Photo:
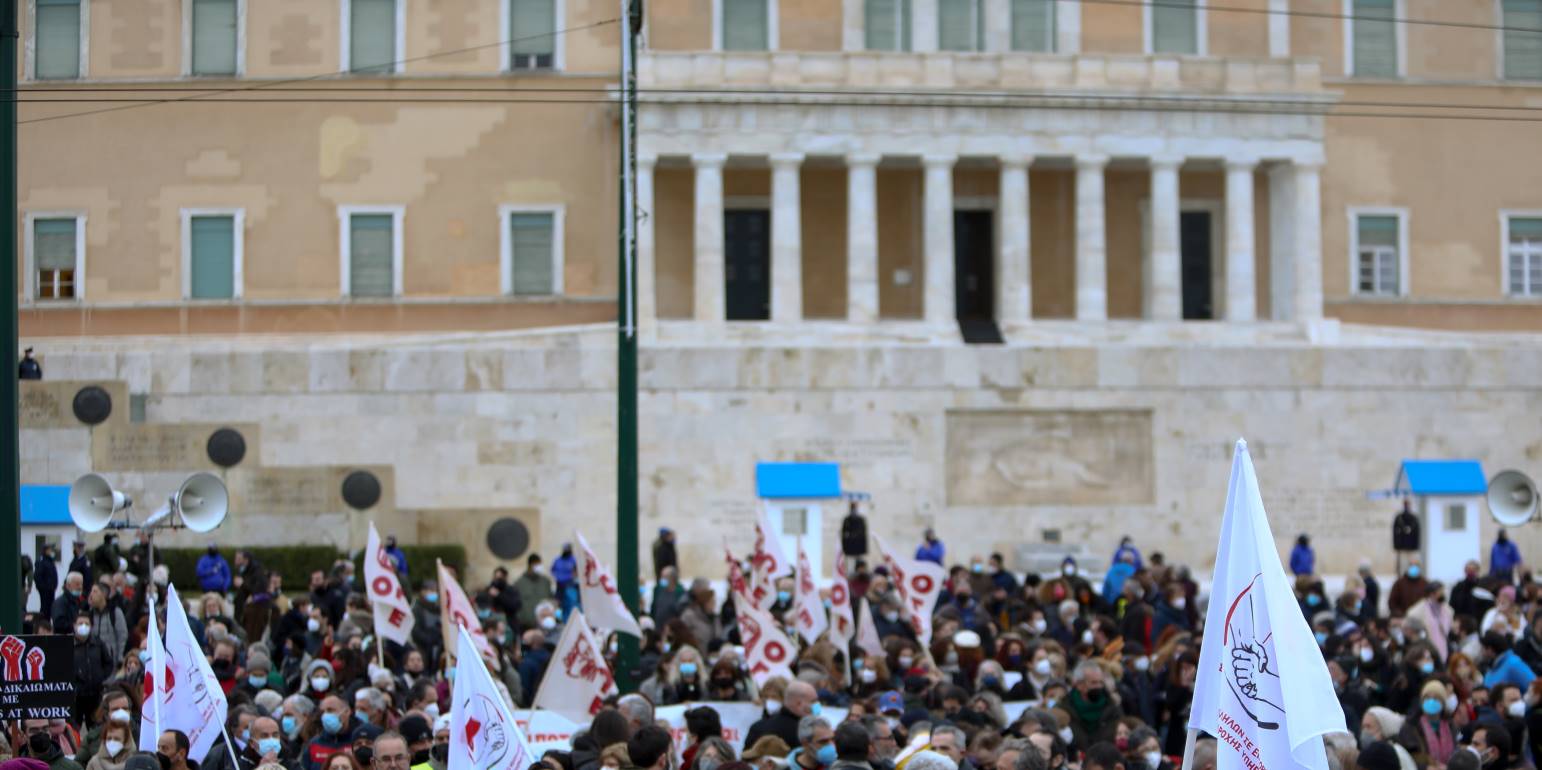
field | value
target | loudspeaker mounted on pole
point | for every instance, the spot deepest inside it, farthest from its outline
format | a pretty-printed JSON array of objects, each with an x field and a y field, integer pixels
[
  {"x": 202, "y": 501},
  {"x": 1512, "y": 498},
  {"x": 93, "y": 502}
]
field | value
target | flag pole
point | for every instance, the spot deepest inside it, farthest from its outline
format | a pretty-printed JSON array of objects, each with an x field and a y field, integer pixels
[
  {"x": 225, "y": 731},
  {"x": 1188, "y": 749}
]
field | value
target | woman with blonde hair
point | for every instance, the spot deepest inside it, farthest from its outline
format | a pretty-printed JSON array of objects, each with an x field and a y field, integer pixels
[{"x": 117, "y": 747}]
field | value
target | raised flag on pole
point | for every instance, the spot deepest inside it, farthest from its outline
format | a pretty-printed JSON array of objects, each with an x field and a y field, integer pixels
[
  {"x": 768, "y": 563},
  {"x": 808, "y": 610},
  {"x": 458, "y": 612},
  {"x": 1262, "y": 688},
  {"x": 767, "y": 651},
  {"x": 918, "y": 583},
  {"x": 181, "y": 691},
  {"x": 483, "y": 734},
  {"x": 392, "y": 607},
  {"x": 736, "y": 583},
  {"x": 842, "y": 624},
  {"x": 597, "y": 593},
  {"x": 867, "y": 631},
  {"x": 577, "y": 681}
]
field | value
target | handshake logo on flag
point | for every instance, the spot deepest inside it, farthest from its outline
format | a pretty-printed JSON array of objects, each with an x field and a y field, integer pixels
[{"x": 1254, "y": 683}]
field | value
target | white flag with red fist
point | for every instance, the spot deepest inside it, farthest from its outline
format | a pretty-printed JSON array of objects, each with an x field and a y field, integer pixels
[
  {"x": 1263, "y": 689},
  {"x": 483, "y": 734},
  {"x": 391, "y": 605},
  {"x": 577, "y": 681},
  {"x": 769, "y": 562},
  {"x": 597, "y": 593},
  {"x": 458, "y": 612},
  {"x": 808, "y": 611},
  {"x": 767, "y": 651},
  {"x": 181, "y": 691},
  {"x": 918, "y": 583},
  {"x": 842, "y": 625}
]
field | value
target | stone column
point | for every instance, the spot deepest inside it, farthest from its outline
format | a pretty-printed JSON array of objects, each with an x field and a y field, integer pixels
[
  {"x": 710, "y": 304},
  {"x": 1241, "y": 301},
  {"x": 1091, "y": 240},
  {"x": 1164, "y": 284},
  {"x": 998, "y": 25},
  {"x": 647, "y": 299},
  {"x": 862, "y": 238},
  {"x": 786, "y": 238},
  {"x": 1282, "y": 242},
  {"x": 1308, "y": 243},
  {"x": 923, "y": 26},
  {"x": 1014, "y": 278},
  {"x": 853, "y": 25},
  {"x": 937, "y": 225}
]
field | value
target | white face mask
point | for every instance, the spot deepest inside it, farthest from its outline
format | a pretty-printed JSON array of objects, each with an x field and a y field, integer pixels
[
  {"x": 320, "y": 683},
  {"x": 1451, "y": 703},
  {"x": 113, "y": 747},
  {"x": 1087, "y": 636},
  {"x": 1043, "y": 667},
  {"x": 868, "y": 676},
  {"x": 1153, "y": 759},
  {"x": 432, "y": 711},
  {"x": 773, "y": 706},
  {"x": 1066, "y": 735},
  {"x": 1039, "y": 625},
  {"x": 1366, "y": 654},
  {"x": 120, "y": 715},
  {"x": 1142, "y": 663},
  {"x": 313, "y": 625},
  {"x": 906, "y": 661},
  {"x": 83, "y": 630},
  {"x": 1068, "y": 570},
  {"x": 548, "y": 623},
  {"x": 1518, "y": 709},
  {"x": 1180, "y": 602}
]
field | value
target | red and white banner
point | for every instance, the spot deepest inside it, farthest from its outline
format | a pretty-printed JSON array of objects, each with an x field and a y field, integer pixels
[
  {"x": 392, "y": 607},
  {"x": 808, "y": 611},
  {"x": 769, "y": 562},
  {"x": 918, "y": 583},
  {"x": 483, "y": 734},
  {"x": 867, "y": 631},
  {"x": 181, "y": 691},
  {"x": 458, "y": 612},
  {"x": 577, "y": 681},
  {"x": 842, "y": 625},
  {"x": 767, "y": 650},
  {"x": 597, "y": 593}
]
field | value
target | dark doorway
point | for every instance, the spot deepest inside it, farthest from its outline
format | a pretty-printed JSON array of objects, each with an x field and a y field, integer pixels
[
  {"x": 974, "y": 268},
  {"x": 747, "y": 264},
  {"x": 1195, "y": 246}
]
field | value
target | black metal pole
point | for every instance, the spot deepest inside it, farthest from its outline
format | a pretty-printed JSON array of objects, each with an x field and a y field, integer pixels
[
  {"x": 626, "y": 348},
  {"x": 10, "y": 472}
]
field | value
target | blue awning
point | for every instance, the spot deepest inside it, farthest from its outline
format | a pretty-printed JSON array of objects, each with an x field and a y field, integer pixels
[
  {"x": 42, "y": 505},
  {"x": 1441, "y": 477},
  {"x": 797, "y": 480}
]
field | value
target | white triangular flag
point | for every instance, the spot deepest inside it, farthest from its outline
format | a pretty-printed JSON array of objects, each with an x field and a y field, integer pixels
[
  {"x": 767, "y": 651},
  {"x": 808, "y": 610},
  {"x": 597, "y": 593},
  {"x": 842, "y": 625},
  {"x": 483, "y": 734},
  {"x": 1262, "y": 687},
  {"x": 867, "y": 631},
  {"x": 768, "y": 562},
  {"x": 391, "y": 605},
  {"x": 182, "y": 692},
  {"x": 458, "y": 612},
  {"x": 577, "y": 681},
  {"x": 918, "y": 583}
]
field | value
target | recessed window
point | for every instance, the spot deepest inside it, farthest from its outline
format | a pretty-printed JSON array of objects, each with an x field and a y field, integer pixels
[
  {"x": 886, "y": 25},
  {"x": 1522, "y": 41},
  {"x": 214, "y": 37},
  {"x": 372, "y": 36},
  {"x": 532, "y": 34},
  {"x": 746, "y": 25},
  {"x": 1175, "y": 27},
  {"x": 532, "y": 246},
  {"x": 213, "y": 255},
  {"x": 1523, "y": 252},
  {"x": 1373, "y": 38},
  {"x": 960, "y": 25},
  {"x": 56, "y": 258},
  {"x": 57, "y": 40},
  {"x": 1378, "y": 254},
  {"x": 1033, "y": 25},
  {"x": 371, "y": 251}
]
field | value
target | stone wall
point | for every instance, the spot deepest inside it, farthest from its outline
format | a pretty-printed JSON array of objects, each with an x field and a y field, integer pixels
[{"x": 993, "y": 446}]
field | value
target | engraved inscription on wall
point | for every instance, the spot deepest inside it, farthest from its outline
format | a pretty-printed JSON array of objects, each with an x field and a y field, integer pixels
[
  {"x": 160, "y": 447},
  {"x": 50, "y": 403},
  {"x": 1093, "y": 457}
]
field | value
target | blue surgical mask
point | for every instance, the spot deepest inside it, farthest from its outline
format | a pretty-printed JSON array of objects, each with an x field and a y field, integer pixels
[
  {"x": 144, "y": 656},
  {"x": 331, "y": 723},
  {"x": 1414, "y": 571},
  {"x": 258, "y": 682},
  {"x": 362, "y": 715},
  {"x": 1322, "y": 638},
  {"x": 1432, "y": 706},
  {"x": 815, "y": 710},
  {"x": 783, "y": 596},
  {"x": 431, "y": 598},
  {"x": 290, "y": 725},
  {"x": 484, "y": 613},
  {"x": 687, "y": 669},
  {"x": 266, "y": 746},
  {"x": 826, "y": 755},
  {"x": 1427, "y": 667},
  {"x": 1313, "y": 599}
]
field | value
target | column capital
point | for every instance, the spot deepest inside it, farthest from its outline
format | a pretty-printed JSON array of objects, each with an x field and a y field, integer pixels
[
  {"x": 1091, "y": 161},
  {"x": 1166, "y": 160},
  {"x": 939, "y": 159},
  {"x": 1241, "y": 163},
  {"x": 708, "y": 159},
  {"x": 647, "y": 159},
  {"x": 786, "y": 158},
  {"x": 863, "y": 158},
  {"x": 1015, "y": 160}
]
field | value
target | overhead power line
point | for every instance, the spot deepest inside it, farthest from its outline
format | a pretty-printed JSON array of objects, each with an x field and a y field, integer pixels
[{"x": 1209, "y": 7}]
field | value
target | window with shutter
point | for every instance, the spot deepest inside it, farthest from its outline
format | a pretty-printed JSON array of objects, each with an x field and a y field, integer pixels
[
  {"x": 887, "y": 25},
  {"x": 1377, "y": 258},
  {"x": 1375, "y": 38},
  {"x": 531, "y": 253},
  {"x": 745, "y": 25},
  {"x": 212, "y": 257},
  {"x": 214, "y": 37},
  {"x": 1033, "y": 25},
  {"x": 371, "y": 272},
  {"x": 57, "y": 40},
  {"x": 1525, "y": 256},
  {"x": 533, "y": 34},
  {"x": 959, "y": 25},
  {"x": 53, "y": 256},
  {"x": 372, "y": 36},
  {"x": 1175, "y": 27},
  {"x": 1522, "y": 41}
]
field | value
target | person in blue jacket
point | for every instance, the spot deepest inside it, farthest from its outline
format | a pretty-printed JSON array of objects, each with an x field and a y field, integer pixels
[
  {"x": 1302, "y": 560},
  {"x": 564, "y": 571},
  {"x": 213, "y": 571},
  {"x": 1127, "y": 548},
  {"x": 931, "y": 550},
  {"x": 1503, "y": 558},
  {"x": 1503, "y": 664}
]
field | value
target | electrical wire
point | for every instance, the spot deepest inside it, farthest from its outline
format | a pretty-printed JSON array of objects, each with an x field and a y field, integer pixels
[{"x": 1208, "y": 7}]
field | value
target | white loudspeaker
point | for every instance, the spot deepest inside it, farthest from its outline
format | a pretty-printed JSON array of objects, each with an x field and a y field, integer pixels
[
  {"x": 203, "y": 501},
  {"x": 93, "y": 502},
  {"x": 1512, "y": 498}
]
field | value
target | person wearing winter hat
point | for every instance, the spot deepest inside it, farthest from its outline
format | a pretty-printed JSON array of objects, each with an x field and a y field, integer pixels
[
  {"x": 318, "y": 680},
  {"x": 1383, "y": 724},
  {"x": 419, "y": 736},
  {"x": 258, "y": 666}
]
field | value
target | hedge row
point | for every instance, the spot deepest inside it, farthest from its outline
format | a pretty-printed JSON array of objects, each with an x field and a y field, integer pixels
[{"x": 297, "y": 562}]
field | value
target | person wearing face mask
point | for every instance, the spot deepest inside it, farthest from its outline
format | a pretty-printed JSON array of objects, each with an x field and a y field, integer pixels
[
  {"x": 328, "y": 733},
  {"x": 816, "y": 745},
  {"x": 1436, "y": 616},
  {"x": 93, "y": 664},
  {"x": 427, "y": 634},
  {"x": 419, "y": 736},
  {"x": 1418, "y": 666},
  {"x": 293, "y": 717},
  {"x": 41, "y": 745},
  {"x": 117, "y": 746},
  {"x": 172, "y": 748},
  {"x": 255, "y": 678},
  {"x": 1094, "y": 713},
  {"x": 1407, "y": 589},
  {"x": 782, "y": 716},
  {"x": 889, "y": 621},
  {"x": 265, "y": 744},
  {"x": 1139, "y": 690},
  {"x": 1429, "y": 734},
  {"x": 1172, "y": 609},
  {"x": 117, "y": 706},
  {"x": 68, "y": 604},
  {"x": 533, "y": 588},
  {"x": 931, "y": 548},
  {"x": 318, "y": 682},
  {"x": 1382, "y": 724},
  {"x": 1492, "y": 744}
]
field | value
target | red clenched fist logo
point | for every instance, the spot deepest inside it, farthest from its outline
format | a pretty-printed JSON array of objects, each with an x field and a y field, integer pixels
[{"x": 11, "y": 649}]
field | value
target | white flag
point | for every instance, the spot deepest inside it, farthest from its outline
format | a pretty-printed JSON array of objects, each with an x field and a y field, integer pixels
[
  {"x": 597, "y": 593},
  {"x": 767, "y": 563},
  {"x": 918, "y": 583},
  {"x": 392, "y": 608},
  {"x": 767, "y": 650},
  {"x": 867, "y": 631},
  {"x": 737, "y": 587},
  {"x": 842, "y": 625},
  {"x": 458, "y": 612},
  {"x": 181, "y": 691},
  {"x": 808, "y": 611},
  {"x": 577, "y": 681},
  {"x": 1262, "y": 688},
  {"x": 483, "y": 734}
]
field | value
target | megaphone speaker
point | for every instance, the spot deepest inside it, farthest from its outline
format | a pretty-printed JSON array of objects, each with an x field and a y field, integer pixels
[
  {"x": 203, "y": 502},
  {"x": 1512, "y": 498},
  {"x": 93, "y": 502}
]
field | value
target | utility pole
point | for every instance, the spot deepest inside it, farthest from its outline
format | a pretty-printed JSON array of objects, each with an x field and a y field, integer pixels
[
  {"x": 626, "y": 348},
  {"x": 10, "y": 445}
]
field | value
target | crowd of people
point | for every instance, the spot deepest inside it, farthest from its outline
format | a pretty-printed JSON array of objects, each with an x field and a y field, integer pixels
[{"x": 1061, "y": 671}]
